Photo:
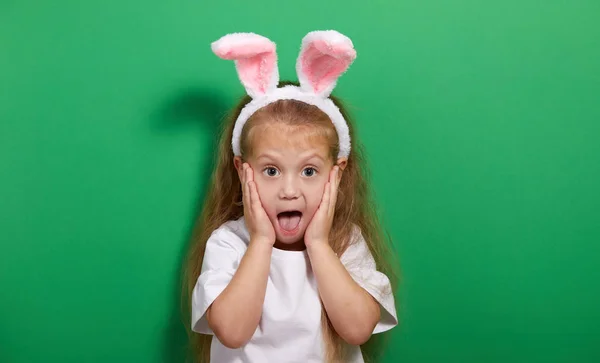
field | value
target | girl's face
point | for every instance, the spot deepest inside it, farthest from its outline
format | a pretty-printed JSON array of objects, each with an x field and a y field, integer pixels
[{"x": 291, "y": 168}]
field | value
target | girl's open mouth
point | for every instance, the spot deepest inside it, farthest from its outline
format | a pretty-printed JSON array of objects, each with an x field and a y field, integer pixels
[{"x": 289, "y": 221}]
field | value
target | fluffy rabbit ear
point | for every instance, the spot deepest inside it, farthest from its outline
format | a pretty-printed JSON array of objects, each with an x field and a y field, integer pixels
[
  {"x": 255, "y": 60},
  {"x": 324, "y": 57}
]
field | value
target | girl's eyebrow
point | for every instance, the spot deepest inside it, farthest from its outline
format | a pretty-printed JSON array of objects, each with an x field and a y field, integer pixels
[
  {"x": 273, "y": 156},
  {"x": 267, "y": 156},
  {"x": 313, "y": 155}
]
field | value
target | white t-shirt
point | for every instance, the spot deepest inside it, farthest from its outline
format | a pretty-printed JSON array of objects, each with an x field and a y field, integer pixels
[{"x": 290, "y": 325}]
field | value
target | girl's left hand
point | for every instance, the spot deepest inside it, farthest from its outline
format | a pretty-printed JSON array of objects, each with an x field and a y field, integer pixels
[{"x": 318, "y": 229}]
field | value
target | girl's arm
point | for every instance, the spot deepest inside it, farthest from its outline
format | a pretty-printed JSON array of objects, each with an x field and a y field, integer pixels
[
  {"x": 235, "y": 313},
  {"x": 353, "y": 312}
]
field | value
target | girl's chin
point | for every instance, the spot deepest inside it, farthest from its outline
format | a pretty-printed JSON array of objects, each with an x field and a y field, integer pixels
[
  {"x": 293, "y": 238},
  {"x": 290, "y": 236}
]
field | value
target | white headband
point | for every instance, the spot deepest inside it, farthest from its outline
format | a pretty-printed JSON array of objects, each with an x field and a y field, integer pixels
[{"x": 324, "y": 57}]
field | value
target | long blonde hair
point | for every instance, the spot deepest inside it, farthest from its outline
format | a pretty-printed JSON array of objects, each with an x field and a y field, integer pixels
[{"x": 355, "y": 206}]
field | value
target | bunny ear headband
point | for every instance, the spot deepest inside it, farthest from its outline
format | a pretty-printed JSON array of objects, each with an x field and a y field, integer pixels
[{"x": 324, "y": 57}]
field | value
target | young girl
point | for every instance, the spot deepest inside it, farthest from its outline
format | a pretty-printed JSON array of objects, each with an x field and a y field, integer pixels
[{"x": 289, "y": 264}]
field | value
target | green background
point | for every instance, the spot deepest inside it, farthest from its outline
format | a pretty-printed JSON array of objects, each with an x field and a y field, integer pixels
[{"x": 481, "y": 119}]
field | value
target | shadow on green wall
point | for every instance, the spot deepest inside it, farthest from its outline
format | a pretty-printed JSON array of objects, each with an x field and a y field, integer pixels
[{"x": 203, "y": 108}]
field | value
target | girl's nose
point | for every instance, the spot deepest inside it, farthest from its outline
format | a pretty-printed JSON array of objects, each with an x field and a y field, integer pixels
[{"x": 289, "y": 189}]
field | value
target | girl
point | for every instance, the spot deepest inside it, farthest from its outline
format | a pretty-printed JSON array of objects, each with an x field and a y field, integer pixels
[{"x": 289, "y": 264}]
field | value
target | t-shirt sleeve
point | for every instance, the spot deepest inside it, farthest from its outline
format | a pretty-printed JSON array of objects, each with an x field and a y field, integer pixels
[
  {"x": 360, "y": 263},
  {"x": 221, "y": 260}
]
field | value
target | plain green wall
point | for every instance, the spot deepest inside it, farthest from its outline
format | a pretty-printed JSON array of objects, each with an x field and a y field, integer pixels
[{"x": 482, "y": 123}]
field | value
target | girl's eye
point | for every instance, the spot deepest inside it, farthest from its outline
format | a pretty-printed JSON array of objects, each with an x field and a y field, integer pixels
[
  {"x": 271, "y": 171},
  {"x": 309, "y": 172}
]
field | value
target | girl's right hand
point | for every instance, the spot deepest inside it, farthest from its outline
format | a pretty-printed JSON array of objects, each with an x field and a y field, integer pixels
[{"x": 258, "y": 223}]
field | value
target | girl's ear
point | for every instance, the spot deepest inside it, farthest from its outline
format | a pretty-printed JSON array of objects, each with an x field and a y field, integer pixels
[
  {"x": 255, "y": 60},
  {"x": 238, "y": 163},
  {"x": 341, "y": 163},
  {"x": 324, "y": 56}
]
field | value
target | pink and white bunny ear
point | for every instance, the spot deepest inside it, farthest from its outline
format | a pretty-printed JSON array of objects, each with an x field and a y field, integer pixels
[
  {"x": 324, "y": 57},
  {"x": 255, "y": 60}
]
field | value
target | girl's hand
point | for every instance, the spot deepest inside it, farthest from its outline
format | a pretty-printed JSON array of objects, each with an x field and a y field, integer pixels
[
  {"x": 258, "y": 223},
  {"x": 318, "y": 229}
]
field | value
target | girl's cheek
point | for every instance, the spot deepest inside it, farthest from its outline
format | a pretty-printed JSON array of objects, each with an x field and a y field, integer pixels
[
  {"x": 322, "y": 184},
  {"x": 265, "y": 191},
  {"x": 317, "y": 193},
  {"x": 263, "y": 185}
]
